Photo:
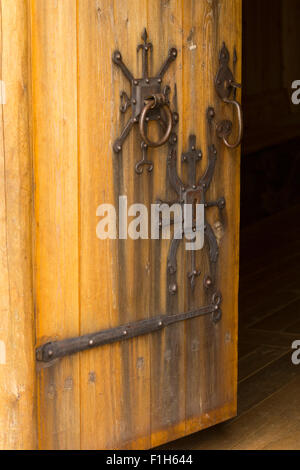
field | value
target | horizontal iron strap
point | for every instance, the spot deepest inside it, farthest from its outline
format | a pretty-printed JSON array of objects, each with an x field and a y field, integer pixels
[{"x": 56, "y": 349}]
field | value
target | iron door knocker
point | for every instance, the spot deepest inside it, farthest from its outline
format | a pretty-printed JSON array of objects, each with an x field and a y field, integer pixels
[
  {"x": 155, "y": 101},
  {"x": 148, "y": 102}
]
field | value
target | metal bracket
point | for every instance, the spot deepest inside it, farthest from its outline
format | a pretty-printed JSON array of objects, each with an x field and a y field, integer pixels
[
  {"x": 224, "y": 78},
  {"x": 225, "y": 85},
  {"x": 56, "y": 349},
  {"x": 143, "y": 89}
]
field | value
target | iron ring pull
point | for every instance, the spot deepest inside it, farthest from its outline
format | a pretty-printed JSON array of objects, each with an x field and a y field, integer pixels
[
  {"x": 153, "y": 102},
  {"x": 240, "y": 124}
]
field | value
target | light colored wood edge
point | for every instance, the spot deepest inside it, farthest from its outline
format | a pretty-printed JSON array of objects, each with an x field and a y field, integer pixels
[{"x": 18, "y": 381}]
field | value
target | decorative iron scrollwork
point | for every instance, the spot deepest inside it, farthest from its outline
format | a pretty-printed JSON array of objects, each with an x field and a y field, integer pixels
[
  {"x": 148, "y": 102},
  {"x": 191, "y": 192}
]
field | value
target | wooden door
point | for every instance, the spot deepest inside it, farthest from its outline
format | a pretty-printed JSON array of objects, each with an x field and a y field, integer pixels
[{"x": 141, "y": 392}]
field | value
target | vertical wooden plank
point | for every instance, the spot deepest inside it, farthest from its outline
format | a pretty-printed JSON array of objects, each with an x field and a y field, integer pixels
[
  {"x": 17, "y": 368},
  {"x": 210, "y": 348},
  {"x": 114, "y": 279},
  {"x": 54, "y": 76},
  {"x": 98, "y": 291},
  {"x": 167, "y": 347},
  {"x": 132, "y": 364},
  {"x": 227, "y": 226},
  {"x": 198, "y": 48}
]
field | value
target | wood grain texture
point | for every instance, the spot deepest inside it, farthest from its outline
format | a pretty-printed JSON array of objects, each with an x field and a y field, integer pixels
[
  {"x": 210, "y": 348},
  {"x": 98, "y": 291},
  {"x": 17, "y": 368},
  {"x": 133, "y": 364},
  {"x": 261, "y": 373},
  {"x": 200, "y": 56},
  {"x": 273, "y": 424},
  {"x": 115, "y": 293},
  {"x": 258, "y": 359},
  {"x": 268, "y": 401},
  {"x": 167, "y": 347},
  {"x": 54, "y": 78},
  {"x": 147, "y": 390}
]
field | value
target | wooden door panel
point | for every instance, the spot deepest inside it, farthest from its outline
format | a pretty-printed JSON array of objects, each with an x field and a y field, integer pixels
[
  {"x": 167, "y": 347},
  {"x": 98, "y": 286},
  {"x": 157, "y": 387},
  {"x": 121, "y": 372},
  {"x": 54, "y": 103}
]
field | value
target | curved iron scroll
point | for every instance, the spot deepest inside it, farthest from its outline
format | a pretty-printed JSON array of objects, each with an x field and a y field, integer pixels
[{"x": 188, "y": 193}]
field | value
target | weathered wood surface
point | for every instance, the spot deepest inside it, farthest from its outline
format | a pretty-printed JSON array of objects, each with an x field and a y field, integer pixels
[
  {"x": 144, "y": 391},
  {"x": 151, "y": 389},
  {"x": 55, "y": 146},
  {"x": 17, "y": 368},
  {"x": 268, "y": 395},
  {"x": 55, "y": 349}
]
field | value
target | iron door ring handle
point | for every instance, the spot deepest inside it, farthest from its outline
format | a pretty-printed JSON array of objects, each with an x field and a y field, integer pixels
[
  {"x": 150, "y": 105},
  {"x": 240, "y": 124}
]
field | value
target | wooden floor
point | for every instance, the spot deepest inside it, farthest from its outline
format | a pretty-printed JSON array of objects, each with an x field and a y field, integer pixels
[{"x": 269, "y": 384}]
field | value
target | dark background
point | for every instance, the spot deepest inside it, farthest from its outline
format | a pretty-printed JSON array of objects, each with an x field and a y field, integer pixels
[{"x": 270, "y": 165}]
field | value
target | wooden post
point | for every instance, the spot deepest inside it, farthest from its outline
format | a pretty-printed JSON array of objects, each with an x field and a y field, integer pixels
[{"x": 17, "y": 369}]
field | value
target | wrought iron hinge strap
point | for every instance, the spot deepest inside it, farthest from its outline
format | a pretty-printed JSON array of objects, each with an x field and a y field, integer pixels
[{"x": 57, "y": 349}]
